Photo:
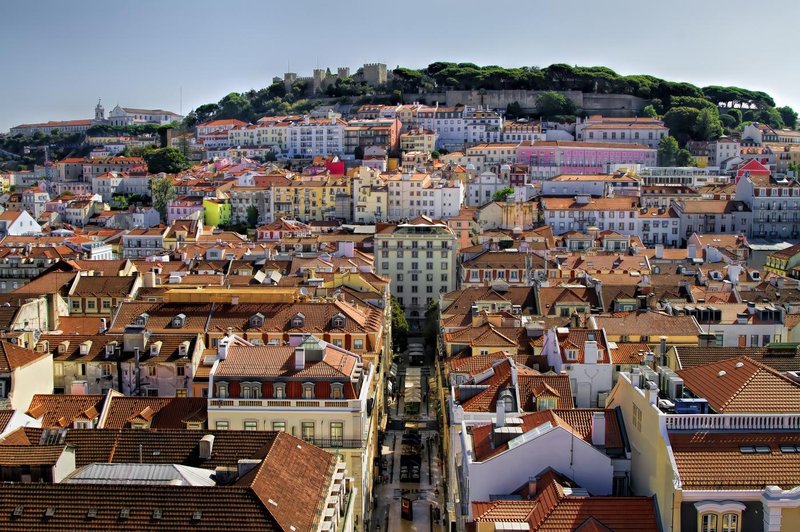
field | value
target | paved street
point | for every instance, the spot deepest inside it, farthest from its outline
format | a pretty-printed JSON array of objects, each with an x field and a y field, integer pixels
[{"x": 425, "y": 494}]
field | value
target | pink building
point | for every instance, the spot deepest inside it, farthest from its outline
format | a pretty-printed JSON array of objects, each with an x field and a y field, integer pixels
[
  {"x": 547, "y": 159},
  {"x": 182, "y": 208}
]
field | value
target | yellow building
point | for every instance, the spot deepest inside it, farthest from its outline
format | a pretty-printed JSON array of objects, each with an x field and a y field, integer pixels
[
  {"x": 328, "y": 198},
  {"x": 419, "y": 139},
  {"x": 370, "y": 195},
  {"x": 217, "y": 211},
  {"x": 649, "y": 328}
]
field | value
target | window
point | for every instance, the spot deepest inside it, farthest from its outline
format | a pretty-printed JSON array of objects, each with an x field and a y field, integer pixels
[
  {"x": 151, "y": 371},
  {"x": 222, "y": 425},
  {"x": 222, "y": 389},
  {"x": 279, "y": 426},
  {"x": 308, "y": 390},
  {"x": 753, "y": 340},
  {"x": 337, "y": 390},
  {"x": 307, "y": 430},
  {"x": 180, "y": 370},
  {"x": 250, "y": 425},
  {"x": 280, "y": 390},
  {"x": 637, "y": 418},
  {"x": 337, "y": 432},
  {"x": 358, "y": 344}
]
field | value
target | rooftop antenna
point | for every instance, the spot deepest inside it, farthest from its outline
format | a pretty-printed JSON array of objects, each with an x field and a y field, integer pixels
[{"x": 180, "y": 107}]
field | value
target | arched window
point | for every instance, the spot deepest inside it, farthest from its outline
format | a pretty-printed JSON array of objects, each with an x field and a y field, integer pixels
[
  {"x": 222, "y": 390},
  {"x": 337, "y": 390},
  {"x": 280, "y": 390},
  {"x": 308, "y": 390}
]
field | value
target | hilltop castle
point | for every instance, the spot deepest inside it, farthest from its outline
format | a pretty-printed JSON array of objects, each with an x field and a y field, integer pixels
[{"x": 371, "y": 73}]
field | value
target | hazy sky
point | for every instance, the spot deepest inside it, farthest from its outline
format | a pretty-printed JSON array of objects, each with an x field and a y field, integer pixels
[{"x": 57, "y": 57}]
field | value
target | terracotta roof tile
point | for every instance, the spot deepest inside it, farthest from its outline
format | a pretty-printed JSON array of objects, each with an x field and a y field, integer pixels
[
  {"x": 714, "y": 460},
  {"x": 742, "y": 385},
  {"x": 59, "y": 411}
]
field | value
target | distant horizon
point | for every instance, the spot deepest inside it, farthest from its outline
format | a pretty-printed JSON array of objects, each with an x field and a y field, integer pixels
[{"x": 55, "y": 73}]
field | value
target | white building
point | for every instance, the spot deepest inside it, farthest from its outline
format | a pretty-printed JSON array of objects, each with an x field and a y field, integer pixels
[
  {"x": 421, "y": 194},
  {"x": 419, "y": 258},
  {"x": 18, "y": 223},
  {"x": 129, "y": 116},
  {"x": 585, "y": 355},
  {"x": 620, "y": 214},
  {"x": 310, "y": 137}
]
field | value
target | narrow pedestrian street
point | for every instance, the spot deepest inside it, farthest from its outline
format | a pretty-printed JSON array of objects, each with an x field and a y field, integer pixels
[{"x": 403, "y": 430}]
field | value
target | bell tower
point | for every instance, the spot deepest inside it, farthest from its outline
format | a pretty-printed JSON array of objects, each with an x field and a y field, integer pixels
[{"x": 99, "y": 112}]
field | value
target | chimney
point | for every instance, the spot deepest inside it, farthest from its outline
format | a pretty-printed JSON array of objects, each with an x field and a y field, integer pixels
[
  {"x": 501, "y": 414},
  {"x": 590, "y": 352},
  {"x": 222, "y": 348},
  {"x": 659, "y": 251},
  {"x": 692, "y": 251},
  {"x": 79, "y": 388},
  {"x": 299, "y": 358},
  {"x": 599, "y": 428},
  {"x": 751, "y": 307},
  {"x": 652, "y": 393},
  {"x": 206, "y": 446},
  {"x": 103, "y": 325},
  {"x": 707, "y": 340},
  {"x": 663, "y": 350},
  {"x": 246, "y": 465}
]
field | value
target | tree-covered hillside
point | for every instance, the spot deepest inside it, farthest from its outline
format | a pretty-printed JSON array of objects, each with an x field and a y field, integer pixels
[{"x": 694, "y": 112}]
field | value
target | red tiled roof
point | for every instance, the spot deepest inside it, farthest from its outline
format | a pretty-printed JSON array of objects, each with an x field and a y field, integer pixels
[
  {"x": 13, "y": 357},
  {"x": 60, "y": 411},
  {"x": 742, "y": 385},
  {"x": 715, "y": 461}
]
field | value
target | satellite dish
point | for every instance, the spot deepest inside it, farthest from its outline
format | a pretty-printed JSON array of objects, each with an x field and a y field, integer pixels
[{"x": 304, "y": 291}]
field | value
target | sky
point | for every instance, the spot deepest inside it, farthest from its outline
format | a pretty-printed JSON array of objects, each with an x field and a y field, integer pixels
[{"x": 57, "y": 58}]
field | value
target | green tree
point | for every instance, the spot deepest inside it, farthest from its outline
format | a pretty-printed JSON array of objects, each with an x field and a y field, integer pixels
[
  {"x": 684, "y": 158},
  {"x": 649, "y": 111},
  {"x": 552, "y": 104},
  {"x": 789, "y": 116},
  {"x": 708, "y": 125},
  {"x": 435, "y": 154},
  {"x": 668, "y": 151},
  {"x": 514, "y": 110},
  {"x": 167, "y": 160},
  {"x": 235, "y": 105},
  {"x": 431, "y": 330},
  {"x": 162, "y": 190},
  {"x": 503, "y": 194},
  {"x": 681, "y": 122},
  {"x": 399, "y": 327},
  {"x": 206, "y": 112},
  {"x": 252, "y": 216}
]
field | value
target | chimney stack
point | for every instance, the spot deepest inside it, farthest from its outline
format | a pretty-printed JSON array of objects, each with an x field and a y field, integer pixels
[
  {"x": 599, "y": 428},
  {"x": 501, "y": 414},
  {"x": 299, "y": 358},
  {"x": 590, "y": 352}
]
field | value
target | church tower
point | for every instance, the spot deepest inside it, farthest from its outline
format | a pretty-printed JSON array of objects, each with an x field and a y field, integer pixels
[{"x": 99, "y": 113}]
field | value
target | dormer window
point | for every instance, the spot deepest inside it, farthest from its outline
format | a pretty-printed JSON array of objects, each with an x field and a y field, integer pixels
[
  {"x": 338, "y": 321},
  {"x": 222, "y": 390},
  {"x": 251, "y": 390},
  {"x": 545, "y": 402},
  {"x": 141, "y": 319},
  {"x": 337, "y": 390},
  {"x": 257, "y": 320},
  {"x": 572, "y": 354},
  {"x": 308, "y": 390},
  {"x": 179, "y": 321},
  {"x": 280, "y": 390},
  {"x": 298, "y": 320}
]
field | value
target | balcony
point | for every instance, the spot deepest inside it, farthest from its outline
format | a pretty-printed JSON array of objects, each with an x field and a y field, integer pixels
[
  {"x": 740, "y": 422},
  {"x": 337, "y": 443},
  {"x": 353, "y": 405}
]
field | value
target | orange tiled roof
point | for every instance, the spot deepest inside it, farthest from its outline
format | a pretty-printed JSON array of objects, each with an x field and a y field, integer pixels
[
  {"x": 715, "y": 461},
  {"x": 741, "y": 385}
]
